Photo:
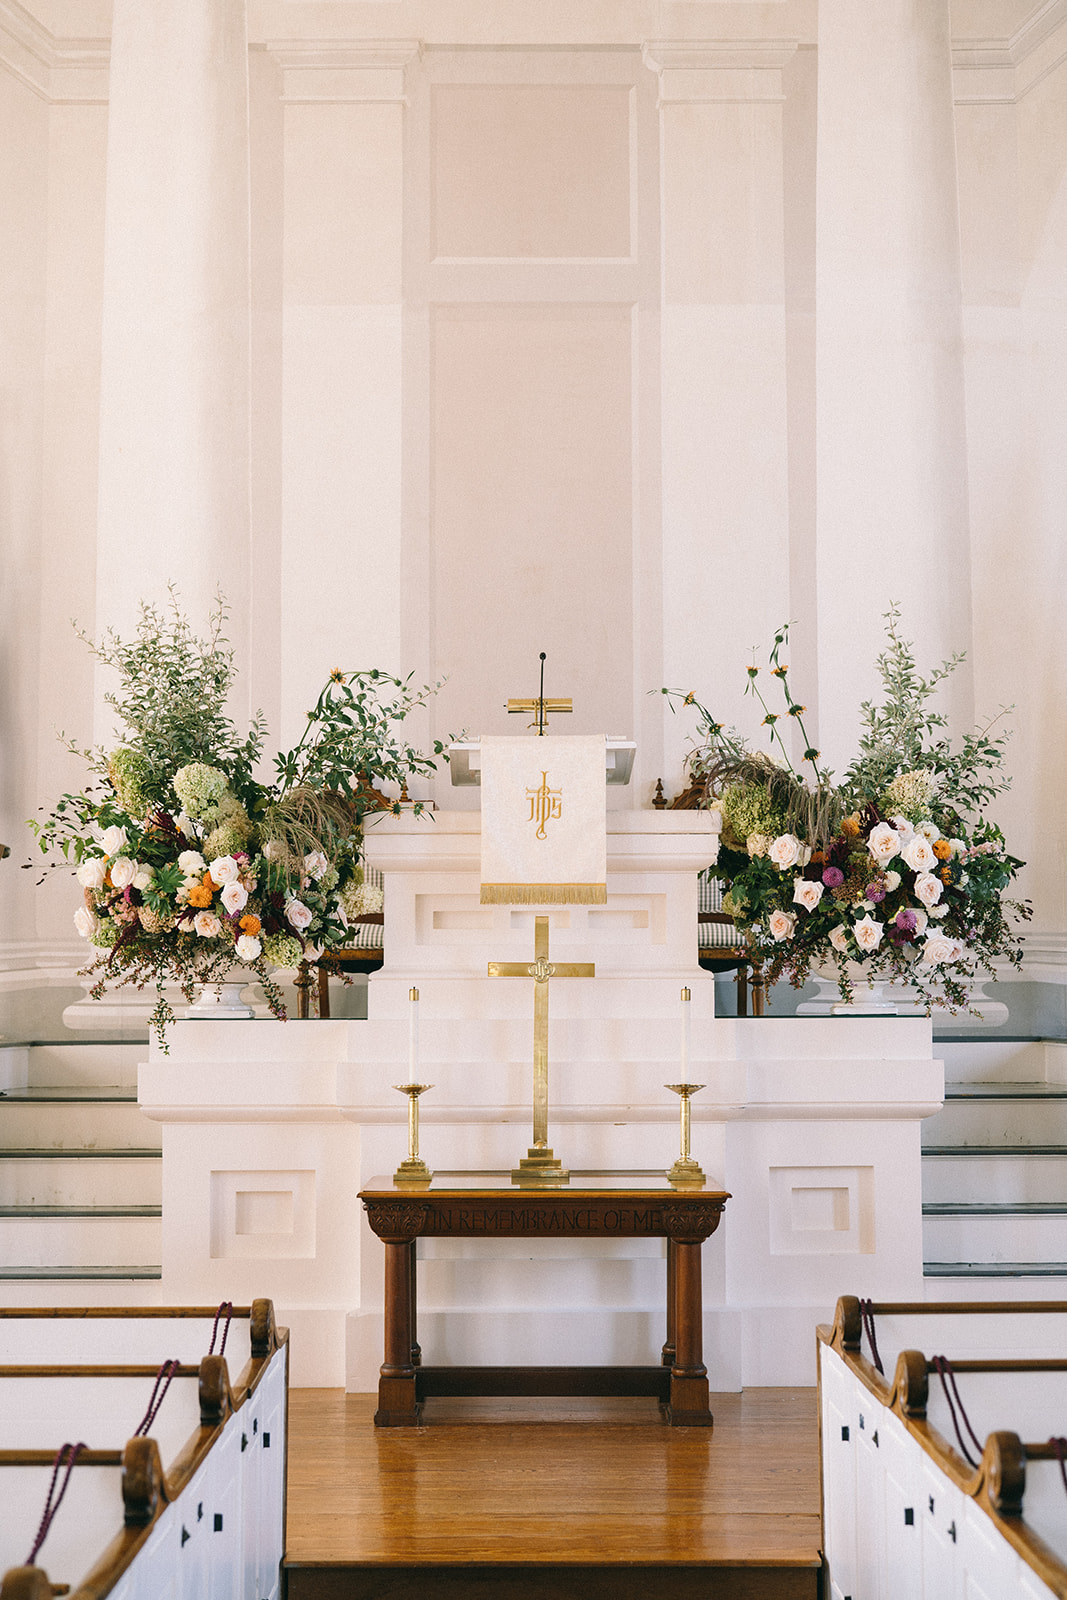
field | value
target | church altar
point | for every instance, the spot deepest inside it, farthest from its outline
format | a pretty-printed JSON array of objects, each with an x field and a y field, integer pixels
[{"x": 812, "y": 1124}]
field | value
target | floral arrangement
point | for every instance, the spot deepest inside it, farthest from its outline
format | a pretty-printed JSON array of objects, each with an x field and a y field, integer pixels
[
  {"x": 190, "y": 864},
  {"x": 896, "y": 868}
]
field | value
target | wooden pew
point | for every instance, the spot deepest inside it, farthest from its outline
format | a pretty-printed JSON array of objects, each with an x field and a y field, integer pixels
[
  {"x": 904, "y": 1513},
  {"x": 211, "y": 1523}
]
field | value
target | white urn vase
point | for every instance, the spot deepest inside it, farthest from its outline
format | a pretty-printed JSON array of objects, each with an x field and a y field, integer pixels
[
  {"x": 221, "y": 1001},
  {"x": 871, "y": 996}
]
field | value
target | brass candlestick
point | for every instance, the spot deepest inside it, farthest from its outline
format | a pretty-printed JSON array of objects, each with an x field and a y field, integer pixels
[
  {"x": 686, "y": 1171},
  {"x": 414, "y": 1170}
]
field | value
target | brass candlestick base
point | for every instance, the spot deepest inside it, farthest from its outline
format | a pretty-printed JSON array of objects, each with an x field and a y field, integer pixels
[
  {"x": 685, "y": 1173},
  {"x": 539, "y": 1169},
  {"x": 413, "y": 1171}
]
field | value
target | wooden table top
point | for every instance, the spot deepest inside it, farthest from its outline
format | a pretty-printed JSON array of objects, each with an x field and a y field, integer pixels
[
  {"x": 583, "y": 1184},
  {"x": 593, "y": 1204}
]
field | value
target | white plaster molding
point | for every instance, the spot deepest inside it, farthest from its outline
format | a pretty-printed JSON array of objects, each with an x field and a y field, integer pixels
[
  {"x": 993, "y": 71},
  {"x": 41, "y": 962},
  {"x": 343, "y": 72},
  {"x": 719, "y": 71},
  {"x": 59, "y": 71}
]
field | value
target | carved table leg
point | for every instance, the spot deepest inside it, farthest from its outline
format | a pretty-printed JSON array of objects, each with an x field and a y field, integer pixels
[
  {"x": 416, "y": 1348},
  {"x": 669, "y": 1347},
  {"x": 689, "y": 1406},
  {"x": 397, "y": 1405}
]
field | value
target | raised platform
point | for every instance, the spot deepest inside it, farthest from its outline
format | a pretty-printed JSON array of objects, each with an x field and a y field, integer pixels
[{"x": 565, "y": 1499}]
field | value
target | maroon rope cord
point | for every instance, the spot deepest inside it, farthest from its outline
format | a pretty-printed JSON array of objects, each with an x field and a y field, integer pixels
[
  {"x": 1060, "y": 1447},
  {"x": 63, "y": 1459},
  {"x": 867, "y": 1316},
  {"x": 227, "y": 1306},
  {"x": 163, "y": 1376},
  {"x": 943, "y": 1367}
]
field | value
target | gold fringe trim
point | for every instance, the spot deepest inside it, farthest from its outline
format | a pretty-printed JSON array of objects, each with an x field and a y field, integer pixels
[{"x": 544, "y": 894}]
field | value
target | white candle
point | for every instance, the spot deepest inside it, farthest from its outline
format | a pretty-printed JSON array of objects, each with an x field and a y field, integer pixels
[
  {"x": 685, "y": 1035},
  {"x": 413, "y": 1036}
]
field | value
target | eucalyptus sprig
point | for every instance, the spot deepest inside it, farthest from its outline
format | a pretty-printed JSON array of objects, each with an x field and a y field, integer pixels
[{"x": 350, "y": 739}]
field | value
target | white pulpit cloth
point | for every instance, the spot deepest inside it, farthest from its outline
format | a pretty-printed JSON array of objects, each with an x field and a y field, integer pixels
[{"x": 544, "y": 821}]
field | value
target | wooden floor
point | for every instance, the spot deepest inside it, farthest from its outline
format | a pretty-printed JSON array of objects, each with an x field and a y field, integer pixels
[{"x": 553, "y": 1500}]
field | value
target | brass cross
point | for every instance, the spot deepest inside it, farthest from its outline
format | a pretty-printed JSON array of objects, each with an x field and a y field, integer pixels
[{"x": 539, "y": 1166}]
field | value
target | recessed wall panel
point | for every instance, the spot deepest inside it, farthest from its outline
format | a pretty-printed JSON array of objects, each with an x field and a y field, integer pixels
[
  {"x": 531, "y": 171},
  {"x": 531, "y": 518}
]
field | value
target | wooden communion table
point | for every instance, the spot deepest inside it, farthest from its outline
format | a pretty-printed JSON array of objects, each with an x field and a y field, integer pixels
[{"x": 601, "y": 1205}]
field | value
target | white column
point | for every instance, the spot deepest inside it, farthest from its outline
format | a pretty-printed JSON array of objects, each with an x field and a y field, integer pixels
[
  {"x": 891, "y": 447},
  {"x": 173, "y": 499},
  {"x": 724, "y": 418}
]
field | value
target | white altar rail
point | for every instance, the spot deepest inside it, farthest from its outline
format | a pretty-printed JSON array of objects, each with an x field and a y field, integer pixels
[
  {"x": 211, "y": 1524},
  {"x": 904, "y": 1515}
]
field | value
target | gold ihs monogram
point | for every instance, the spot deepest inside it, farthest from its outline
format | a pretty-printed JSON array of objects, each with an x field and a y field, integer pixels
[{"x": 545, "y": 804}]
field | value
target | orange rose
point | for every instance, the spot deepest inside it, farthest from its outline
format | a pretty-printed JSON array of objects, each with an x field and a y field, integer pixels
[
  {"x": 250, "y": 924},
  {"x": 942, "y": 850}
]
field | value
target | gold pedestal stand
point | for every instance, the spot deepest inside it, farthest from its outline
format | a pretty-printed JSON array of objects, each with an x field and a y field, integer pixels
[
  {"x": 685, "y": 1173},
  {"x": 539, "y": 1169},
  {"x": 413, "y": 1171}
]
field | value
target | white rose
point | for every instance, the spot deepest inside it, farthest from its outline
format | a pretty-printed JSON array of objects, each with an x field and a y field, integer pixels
[
  {"x": 143, "y": 876},
  {"x": 272, "y": 848},
  {"x": 784, "y": 851},
  {"x": 927, "y": 888},
  {"x": 234, "y": 897},
  {"x": 192, "y": 863},
  {"x": 922, "y": 921},
  {"x": 207, "y": 925},
  {"x": 315, "y": 864},
  {"x": 868, "y": 933},
  {"x": 224, "y": 870},
  {"x": 113, "y": 840},
  {"x": 782, "y": 924},
  {"x": 839, "y": 939},
  {"x": 903, "y": 828},
  {"x": 91, "y": 873},
  {"x": 918, "y": 853},
  {"x": 297, "y": 915},
  {"x": 892, "y": 882},
  {"x": 184, "y": 825},
  {"x": 248, "y": 947},
  {"x": 85, "y": 922},
  {"x": 123, "y": 872},
  {"x": 807, "y": 894},
  {"x": 929, "y": 830},
  {"x": 938, "y": 949},
  {"x": 884, "y": 842}
]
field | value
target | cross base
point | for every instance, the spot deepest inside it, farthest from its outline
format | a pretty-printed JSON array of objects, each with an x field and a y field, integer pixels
[{"x": 539, "y": 1169}]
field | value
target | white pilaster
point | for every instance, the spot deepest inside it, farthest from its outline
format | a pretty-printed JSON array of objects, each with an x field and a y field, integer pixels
[
  {"x": 891, "y": 448},
  {"x": 344, "y": 108},
  {"x": 725, "y": 455},
  {"x": 173, "y": 497}
]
